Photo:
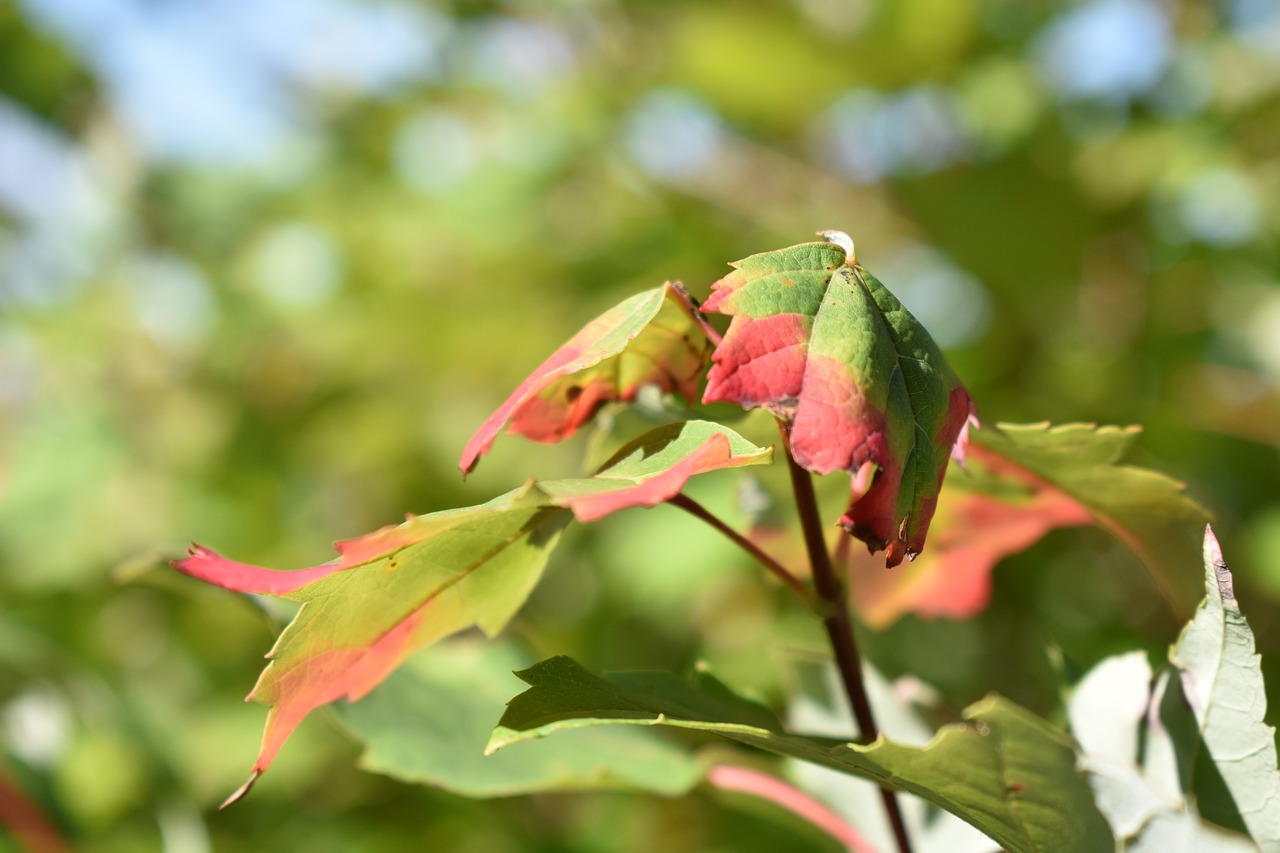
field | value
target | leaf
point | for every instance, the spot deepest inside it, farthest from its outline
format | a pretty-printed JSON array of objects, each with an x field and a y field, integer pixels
[
  {"x": 1147, "y": 511},
  {"x": 1003, "y": 770},
  {"x": 655, "y": 467},
  {"x": 363, "y": 614},
  {"x": 821, "y": 343},
  {"x": 429, "y": 722},
  {"x": 653, "y": 338},
  {"x": 972, "y": 532},
  {"x": 401, "y": 588},
  {"x": 1233, "y": 766}
]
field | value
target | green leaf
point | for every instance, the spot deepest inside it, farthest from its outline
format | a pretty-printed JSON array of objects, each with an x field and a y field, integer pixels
[
  {"x": 1232, "y": 765},
  {"x": 1147, "y": 511},
  {"x": 1005, "y": 771},
  {"x": 429, "y": 723},
  {"x": 820, "y": 342}
]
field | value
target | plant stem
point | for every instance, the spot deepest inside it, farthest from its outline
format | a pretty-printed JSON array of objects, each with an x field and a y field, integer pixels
[
  {"x": 839, "y": 628},
  {"x": 779, "y": 571}
]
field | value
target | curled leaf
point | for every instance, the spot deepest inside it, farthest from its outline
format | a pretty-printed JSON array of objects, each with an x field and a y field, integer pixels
[
  {"x": 820, "y": 342},
  {"x": 653, "y": 338}
]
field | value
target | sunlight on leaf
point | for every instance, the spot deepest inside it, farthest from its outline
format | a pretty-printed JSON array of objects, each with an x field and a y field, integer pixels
[
  {"x": 1003, "y": 770},
  {"x": 653, "y": 338},
  {"x": 820, "y": 342}
]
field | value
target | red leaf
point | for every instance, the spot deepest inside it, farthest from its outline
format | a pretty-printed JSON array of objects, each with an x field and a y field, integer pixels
[
  {"x": 820, "y": 342},
  {"x": 654, "y": 338},
  {"x": 974, "y": 532}
]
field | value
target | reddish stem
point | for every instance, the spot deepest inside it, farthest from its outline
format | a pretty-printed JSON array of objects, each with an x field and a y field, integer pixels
[
  {"x": 30, "y": 828},
  {"x": 778, "y": 570},
  {"x": 839, "y": 628}
]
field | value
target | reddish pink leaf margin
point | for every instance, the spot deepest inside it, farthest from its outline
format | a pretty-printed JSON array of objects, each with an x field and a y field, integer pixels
[{"x": 548, "y": 408}]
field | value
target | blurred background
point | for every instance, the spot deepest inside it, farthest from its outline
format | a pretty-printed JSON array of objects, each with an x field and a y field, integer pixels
[{"x": 265, "y": 266}]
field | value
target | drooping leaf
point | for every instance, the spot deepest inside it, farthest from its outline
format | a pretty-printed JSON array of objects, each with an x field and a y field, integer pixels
[
  {"x": 1020, "y": 482},
  {"x": 653, "y": 338},
  {"x": 1149, "y": 512},
  {"x": 1232, "y": 765},
  {"x": 429, "y": 723},
  {"x": 1005, "y": 771},
  {"x": 823, "y": 344},
  {"x": 972, "y": 532},
  {"x": 404, "y": 587}
]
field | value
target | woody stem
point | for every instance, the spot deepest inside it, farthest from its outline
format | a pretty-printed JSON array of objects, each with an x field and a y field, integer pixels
[{"x": 838, "y": 626}]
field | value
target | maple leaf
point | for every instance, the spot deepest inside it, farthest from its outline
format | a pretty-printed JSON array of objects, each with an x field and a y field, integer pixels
[
  {"x": 1021, "y": 481},
  {"x": 973, "y": 532},
  {"x": 821, "y": 343},
  {"x": 654, "y": 338},
  {"x": 404, "y": 587}
]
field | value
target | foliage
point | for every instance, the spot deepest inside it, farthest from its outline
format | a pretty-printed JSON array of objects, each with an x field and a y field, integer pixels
[
  {"x": 262, "y": 275},
  {"x": 846, "y": 377}
]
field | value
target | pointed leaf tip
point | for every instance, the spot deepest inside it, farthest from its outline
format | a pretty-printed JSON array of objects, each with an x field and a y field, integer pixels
[
  {"x": 1213, "y": 558},
  {"x": 240, "y": 792}
]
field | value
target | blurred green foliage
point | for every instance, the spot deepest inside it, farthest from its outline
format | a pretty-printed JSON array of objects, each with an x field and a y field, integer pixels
[{"x": 263, "y": 269}]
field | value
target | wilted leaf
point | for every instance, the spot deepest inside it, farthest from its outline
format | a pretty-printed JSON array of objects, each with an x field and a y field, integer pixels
[
  {"x": 1232, "y": 765},
  {"x": 429, "y": 723},
  {"x": 653, "y": 338},
  {"x": 401, "y": 588},
  {"x": 1005, "y": 771},
  {"x": 820, "y": 342}
]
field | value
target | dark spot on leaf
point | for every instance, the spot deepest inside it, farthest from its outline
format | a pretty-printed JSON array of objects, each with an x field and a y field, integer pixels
[
  {"x": 573, "y": 392},
  {"x": 1014, "y": 788}
]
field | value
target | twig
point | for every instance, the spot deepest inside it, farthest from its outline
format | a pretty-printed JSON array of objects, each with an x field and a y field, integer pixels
[{"x": 779, "y": 571}]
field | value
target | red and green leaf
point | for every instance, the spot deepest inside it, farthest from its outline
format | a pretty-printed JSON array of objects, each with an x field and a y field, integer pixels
[
  {"x": 437, "y": 575},
  {"x": 401, "y": 588},
  {"x": 654, "y": 468},
  {"x": 973, "y": 532},
  {"x": 1022, "y": 481},
  {"x": 820, "y": 342},
  {"x": 653, "y": 338}
]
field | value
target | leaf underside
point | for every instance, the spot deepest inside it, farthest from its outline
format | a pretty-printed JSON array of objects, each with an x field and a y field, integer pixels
[
  {"x": 1003, "y": 770},
  {"x": 1228, "y": 758},
  {"x": 653, "y": 338},
  {"x": 826, "y": 347}
]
